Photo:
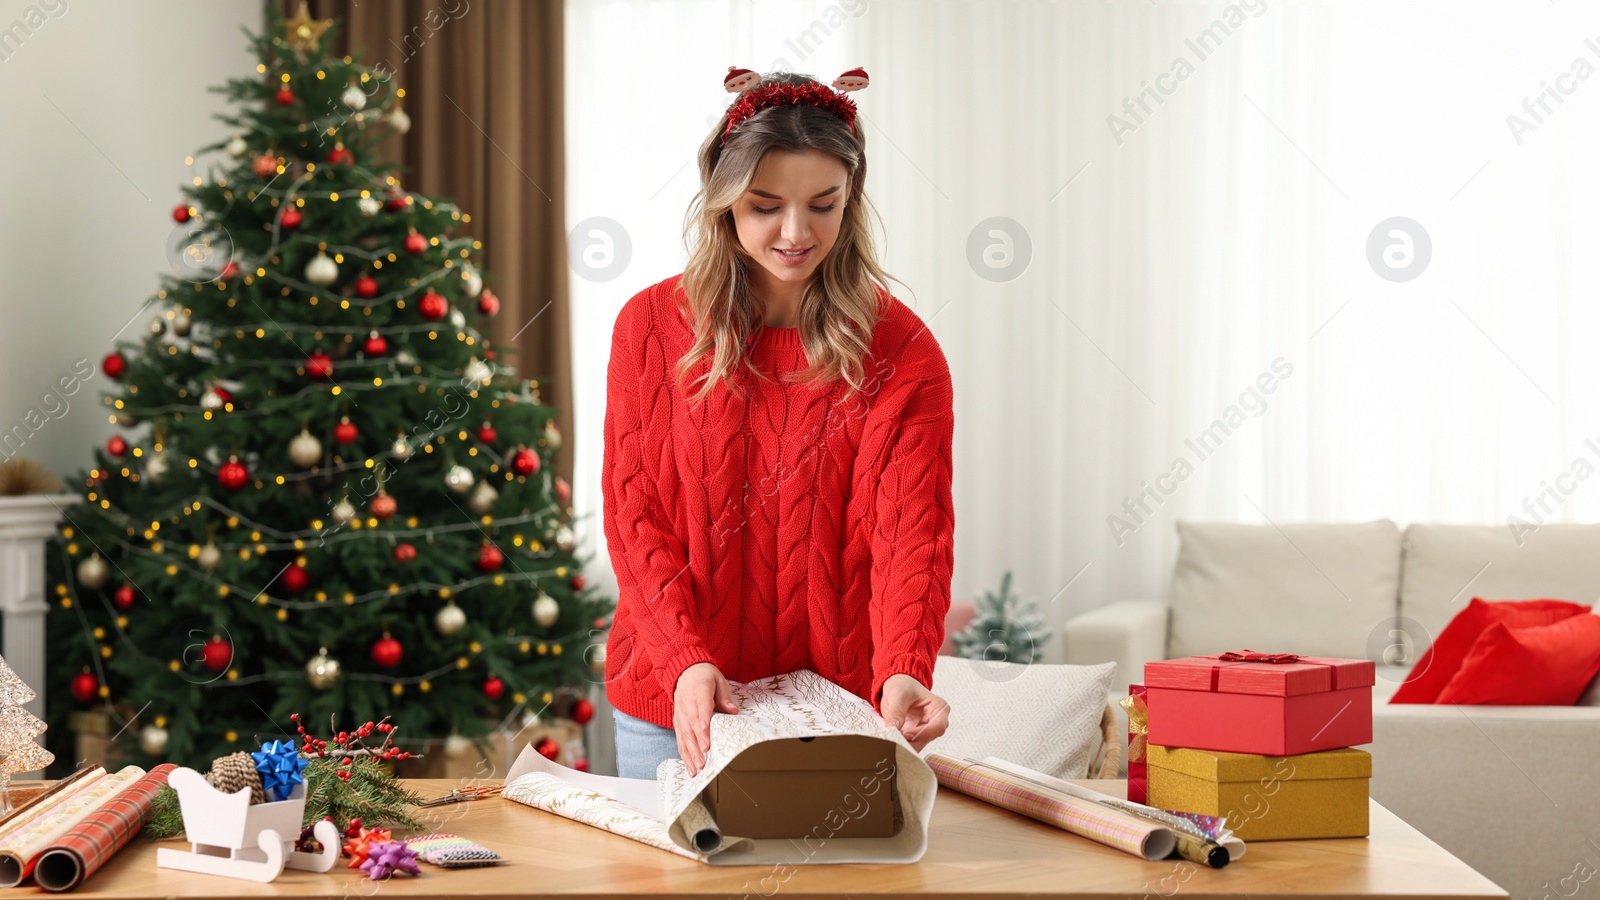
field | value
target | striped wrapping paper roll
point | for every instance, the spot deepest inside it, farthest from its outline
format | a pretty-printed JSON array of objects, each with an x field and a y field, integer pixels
[
  {"x": 1129, "y": 834},
  {"x": 41, "y": 804},
  {"x": 67, "y": 862},
  {"x": 19, "y": 849}
]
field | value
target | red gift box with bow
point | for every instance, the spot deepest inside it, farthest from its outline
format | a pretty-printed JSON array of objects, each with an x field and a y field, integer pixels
[{"x": 1273, "y": 704}]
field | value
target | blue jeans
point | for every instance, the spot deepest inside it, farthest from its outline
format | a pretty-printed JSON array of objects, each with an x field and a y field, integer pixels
[{"x": 641, "y": 745}]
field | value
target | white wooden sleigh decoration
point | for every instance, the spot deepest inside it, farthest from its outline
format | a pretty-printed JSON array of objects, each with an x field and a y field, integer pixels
[{"x": 236, "y": 839}]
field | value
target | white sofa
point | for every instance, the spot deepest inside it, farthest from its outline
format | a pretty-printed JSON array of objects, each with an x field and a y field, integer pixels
[{"x": 1512, "y": 791}]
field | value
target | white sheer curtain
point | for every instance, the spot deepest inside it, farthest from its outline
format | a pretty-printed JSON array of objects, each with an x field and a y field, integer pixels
[{"x": 1217, "y": 241}]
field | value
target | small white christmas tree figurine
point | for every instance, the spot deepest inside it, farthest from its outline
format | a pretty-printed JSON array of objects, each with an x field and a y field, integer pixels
[{"x": 18, "y": 728}]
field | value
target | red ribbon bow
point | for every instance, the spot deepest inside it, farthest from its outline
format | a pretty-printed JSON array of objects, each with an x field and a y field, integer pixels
[{"x": 1253, "y": 656}]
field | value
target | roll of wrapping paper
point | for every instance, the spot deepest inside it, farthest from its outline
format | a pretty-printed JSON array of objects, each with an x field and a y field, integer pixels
[
  {"x": 39, "y": 804},
  {"x": 1141, "y": 837},
  {"x": 21, "y": 848},
  {"x": 67, "y": 862}
]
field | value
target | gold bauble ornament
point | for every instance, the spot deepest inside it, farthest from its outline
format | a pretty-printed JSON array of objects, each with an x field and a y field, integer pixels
[
  {"x": 552, "y": 435},
  {"x": 450, "y": 619},
  {"x": 155, "y": 466},
  {"x": 546, "y": 610},
  {"x": 400, "y": 449},
  {"x": 597, "y": 658},
  {"x": 209, "y": 557},
  {"x": 181, "y": 324},
  {"x": 457, "y": 747},
  {"x": 305, "y": 450},
  {"x": 323, "y": 670},
  {"x": 482, "y": 499},
  {"x": 93, "y": 571},
  {"x": 343, "y": 511},
  {"x": 153, "y": 740},
  {"x": 565, "y": 539},
  {"x": 458, "y": 479}
]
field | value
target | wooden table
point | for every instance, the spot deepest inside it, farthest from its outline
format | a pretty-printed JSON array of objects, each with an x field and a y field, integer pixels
[{"x": 974, "y": 850}]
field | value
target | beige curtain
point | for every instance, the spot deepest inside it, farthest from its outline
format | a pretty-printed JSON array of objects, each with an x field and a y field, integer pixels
[{"x": 484, "y": 86}]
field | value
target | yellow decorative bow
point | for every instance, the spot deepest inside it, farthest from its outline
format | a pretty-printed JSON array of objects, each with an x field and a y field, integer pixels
[{"x": 1138, "y": 726}]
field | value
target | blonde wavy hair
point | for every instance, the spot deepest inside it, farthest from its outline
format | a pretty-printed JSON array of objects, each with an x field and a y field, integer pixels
[{"x": 840, "y": 305}]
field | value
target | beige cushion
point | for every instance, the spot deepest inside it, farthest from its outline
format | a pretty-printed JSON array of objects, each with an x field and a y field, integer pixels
[
  {"x": 1447, "y": 565},
  {"x": 1311, "y": 589},
  {"x": 1045, "y": 717}
]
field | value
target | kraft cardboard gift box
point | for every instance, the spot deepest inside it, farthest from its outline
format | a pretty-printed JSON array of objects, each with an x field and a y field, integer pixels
[
  {"x": 1296, "y": 704},
  {"x": 787, "y": 788},
  {"x": 1266, "y": 798}
]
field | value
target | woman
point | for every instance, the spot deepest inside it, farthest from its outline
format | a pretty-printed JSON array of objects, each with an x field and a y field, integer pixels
[{"x": 777, "y": 463}]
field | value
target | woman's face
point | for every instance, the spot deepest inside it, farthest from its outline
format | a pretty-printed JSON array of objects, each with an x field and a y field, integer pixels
[{"x": 795, "y": 202}]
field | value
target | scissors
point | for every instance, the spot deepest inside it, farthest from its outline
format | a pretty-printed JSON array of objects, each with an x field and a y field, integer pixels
[{"x": 460, "y": 795}]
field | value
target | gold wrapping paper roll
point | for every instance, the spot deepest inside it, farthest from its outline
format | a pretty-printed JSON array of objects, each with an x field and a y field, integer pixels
[{"x": 20, "y": 848}]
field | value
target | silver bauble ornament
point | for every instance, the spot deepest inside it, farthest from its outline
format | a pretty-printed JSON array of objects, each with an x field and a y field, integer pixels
[
  {"x": 237, "y": 147},
  {"x": 158, "y": 326},
  {"x": 343, "y": 511},
  {"x": 181, "y": 324},
  {"x": 477, "y": 371},
  {"x": 457, "y": 747},
  {"x": 458, "y": 318},
  {"x": 211, "y": 400},
  {"x": 546, "y": 610},
  {"x": 323, "y": 670},
  {"x": 597, "y": 658},
  {"x": 449, "y": 619},
  {"x": 400, "y": 449},
  {"x": 404, "y": 359},
  {"x": 354, "y": 97},
  {"x": 369, "y": 206},
  {"x": 474, "y": 281},
  {"x": 305, "y": 450},
  {"x": 153, "y": 740},
  {"x": 482, "y": 499},
  {"x": 322, "y": 270},
  {"x": 398, "y": 118},
  {"x": 209, "y": 557},
  {"x": 565, "y": 539},
  {"x": 458, "y": 479},
  {"x": 155, "y": 466},
  {"x": 93, "y": 571}
]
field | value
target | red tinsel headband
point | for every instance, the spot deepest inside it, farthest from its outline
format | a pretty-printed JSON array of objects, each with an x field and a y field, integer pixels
[{"x": 740, "y": 81}]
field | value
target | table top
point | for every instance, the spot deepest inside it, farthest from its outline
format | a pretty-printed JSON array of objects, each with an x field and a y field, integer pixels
[{"x": 974, "y": 849}]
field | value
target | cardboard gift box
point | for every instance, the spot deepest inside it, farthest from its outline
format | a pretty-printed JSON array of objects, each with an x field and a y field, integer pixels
[
  {"x": 783, "y": 788},
  {"x": 1270, "y": 704},
  {"x": 1266, "y": 798}
]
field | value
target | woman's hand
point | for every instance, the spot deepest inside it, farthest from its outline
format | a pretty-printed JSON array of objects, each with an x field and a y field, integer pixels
[
  {"x": 701, "y": 691},
  {"x": 917, "y": 712}
]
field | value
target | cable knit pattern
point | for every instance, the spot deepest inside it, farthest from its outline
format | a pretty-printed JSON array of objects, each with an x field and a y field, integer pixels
[{"x": 789, "y": 529}]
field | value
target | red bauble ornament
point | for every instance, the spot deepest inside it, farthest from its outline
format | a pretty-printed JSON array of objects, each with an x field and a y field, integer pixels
[
  {"x": 180, "y": 214},
  {"x": 341, "y": 154},
  {"x": 366, "y": 286},
  {"x": 113, "y": 365},
  {"x": 486, "y": 433},
  {"x": 291, "y": 218},
  {"x": 223, "y": 394},
  {"x": 397, "y": 201},
  {"x": 386, "y": 652},
  {"x": 233, "y": 475},
  {"x": 285, "y": 96},
  {"x": 229, "y": 271},
  {"x": 488, "y": 303},
  {"x": 415, "y": 243},
  {"x": 404, "y": 553},
  {"x": 577, "y": 582},
  {"x": 383, "y": 506},
  {"x": 494, "y": 687},
  {"x": 563, "y": 490},
  {"x": 84, "y": 687},
  {"x": 318, "y": 365},
  {"x": 265, "y": 166},
  {"x": 116, "y": 446},
  {"x": 376, "y": 345},
  {"x": 345, "y": 432},
  {"x": 433, "y": 306},
  {"x": 124, "y": 597},
  {"x": 580, "y": 765},
  {"x": 582, "y": 711},
  {"x": 296, "y": 579},
  {"x": 216, "y": 654},
  {"x": 525, "y": 462},
  {"x": 547, "y": 748},
  {"x": 489, "y": 558}
]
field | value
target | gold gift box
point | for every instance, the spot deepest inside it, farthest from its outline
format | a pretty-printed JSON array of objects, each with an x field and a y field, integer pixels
[{"x": 1266, "y": 798}]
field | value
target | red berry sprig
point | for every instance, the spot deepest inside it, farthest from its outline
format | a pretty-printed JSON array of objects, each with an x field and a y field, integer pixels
[{"x": 346, "y": 746}]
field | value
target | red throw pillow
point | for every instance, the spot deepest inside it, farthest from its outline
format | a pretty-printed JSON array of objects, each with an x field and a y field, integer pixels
[
  {"x": 1544, "y": 665},
  {"x": 1441, "y": 661}
]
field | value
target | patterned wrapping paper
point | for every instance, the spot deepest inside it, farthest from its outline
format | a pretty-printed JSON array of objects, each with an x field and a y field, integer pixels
[
  {"x": 40, "y": 806},
  {"x": 67, "y": 862},
  {"x": 669, "y": 814},
  {"x": 21, "y": 848},
  {"x": 1080, "y": 817}
]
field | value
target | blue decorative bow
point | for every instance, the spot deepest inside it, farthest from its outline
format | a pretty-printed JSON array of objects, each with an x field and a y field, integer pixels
[{"x": 279, "y": 763}]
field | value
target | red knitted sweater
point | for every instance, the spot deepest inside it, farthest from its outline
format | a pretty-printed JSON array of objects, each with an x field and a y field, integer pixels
[{"x": 790, "y": 529}]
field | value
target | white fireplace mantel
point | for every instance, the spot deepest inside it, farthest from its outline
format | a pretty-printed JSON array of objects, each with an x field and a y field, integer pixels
[{"x": 25, "y": 524}]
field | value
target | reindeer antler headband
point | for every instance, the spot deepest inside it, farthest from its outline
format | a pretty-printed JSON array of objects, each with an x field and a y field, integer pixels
[{"x": 740, "y": 81}]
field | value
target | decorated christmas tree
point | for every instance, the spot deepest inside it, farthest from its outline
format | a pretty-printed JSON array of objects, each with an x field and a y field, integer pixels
[
  {"x": 1004, "y": 628},
  {"x": 328, "y": 493}
]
